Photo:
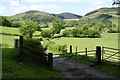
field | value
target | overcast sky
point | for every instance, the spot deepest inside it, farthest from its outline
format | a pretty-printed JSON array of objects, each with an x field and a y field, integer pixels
[{"x": 80, "y": 7}]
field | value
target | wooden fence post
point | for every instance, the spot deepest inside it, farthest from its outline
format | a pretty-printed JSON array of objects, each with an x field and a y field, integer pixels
[
  {"x": 50, "y": 59},
  {"x": 102, "y": 52},
  {"x": 21, "y": 47},
  {"x": 75, "y": 57},
  {"x": 86, "y": 51},
  {"x": 16, "y": 43},
  {"x": 98, "y": 54},
  {"x": 70, "y": 48}
]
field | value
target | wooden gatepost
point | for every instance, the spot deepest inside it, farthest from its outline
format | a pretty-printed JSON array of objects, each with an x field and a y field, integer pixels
[
  {"x": 98, "y": 55},
  {"x": 21, "y": 47}
]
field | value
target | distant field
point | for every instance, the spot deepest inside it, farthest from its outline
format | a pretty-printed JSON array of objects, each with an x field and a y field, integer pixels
[
  {"x": 107, "y": 40},
  {"x": 11, "y": 30},
  {"x": 8, "y": 41}
]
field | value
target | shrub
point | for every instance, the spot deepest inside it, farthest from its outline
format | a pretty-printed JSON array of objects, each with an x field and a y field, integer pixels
[
  {"x": 75, "y": 33},
  {"x": 65, "y": 32},
  {"x": 91, "y": 33},
  {"x": 28, "y": 28},
  {"x": 52, "y": 46},
  {"x": 34, "y": 44},
  {"x": 57, "y": 27},
  {"x": 46, "y": 33},
  {"x": 57, "y": 36}
]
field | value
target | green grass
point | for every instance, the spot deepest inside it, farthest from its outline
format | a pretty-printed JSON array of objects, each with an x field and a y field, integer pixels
[
  {"x": 8, "y": 41},
  {"x": 11, "y": 68},
  {"x": 11, "y": 30},
  {"x": 14, "y": 69},
  {"x": 107, "y": 40}
]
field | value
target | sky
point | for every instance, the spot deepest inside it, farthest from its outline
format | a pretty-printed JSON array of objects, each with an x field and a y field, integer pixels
[{"x": 80, "y": 7}]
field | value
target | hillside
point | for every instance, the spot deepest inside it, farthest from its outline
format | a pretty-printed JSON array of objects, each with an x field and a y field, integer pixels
[
  {"x": 36, "y": 16},
  {"x": 67, "y": 15},
  {"x": 102, "y": 13}
]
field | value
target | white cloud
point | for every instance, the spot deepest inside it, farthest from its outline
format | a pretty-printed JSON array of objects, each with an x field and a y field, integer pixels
[
  {"x": 46, "y": 8},
  {"x": 14, "y": 3},
  {"x": 55, "y": 0},
  {"x": 52, "y": 0},
  {"x": 2, "y": 10}
]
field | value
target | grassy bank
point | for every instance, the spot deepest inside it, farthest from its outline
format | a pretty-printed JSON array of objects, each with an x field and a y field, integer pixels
[{"x": 12, "y": 68}]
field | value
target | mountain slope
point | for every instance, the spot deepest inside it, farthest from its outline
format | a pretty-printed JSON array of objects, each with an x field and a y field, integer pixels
[
  {"x": 67, "y": 15},
  {"x": 102, "y": 14},
  {"x": 36, "y": 16}
]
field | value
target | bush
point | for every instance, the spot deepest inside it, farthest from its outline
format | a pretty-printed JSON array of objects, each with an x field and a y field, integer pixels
[
  {"x": 75, "y": 33},
  {"x": 52, "y": 46},
  {"x": 57, "y": 36},
  {"x": 46, "y": 33},
  {"x": 65, "y": 32},
  {"x": 91, "y": 33},
  {"x": 34, "y": 44},
  {"x": 57, "y": 27},
  {"x": 28, "y": 28}
]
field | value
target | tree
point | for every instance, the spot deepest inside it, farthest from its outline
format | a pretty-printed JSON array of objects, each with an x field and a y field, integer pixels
[
  {"x": 92, "y": 33},
  {"x": 56, "y": 28},
  {"x": 28, "y": 28},
  {"x": 65, "y": 32},
  {"x": 15, "y": 24},
  {"x": 75, "y": 33},
  {"x": 46, "y": 33},
  {"x": 4, "y": 21}
]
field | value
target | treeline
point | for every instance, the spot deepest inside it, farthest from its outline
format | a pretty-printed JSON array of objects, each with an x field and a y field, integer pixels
[
  {"x": 92, "y": 28},
  {"x": 77, "y": 32}
]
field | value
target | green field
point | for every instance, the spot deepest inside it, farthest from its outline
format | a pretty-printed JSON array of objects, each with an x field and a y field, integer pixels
[
  {"x": 11, "y": 30},
  {"x": 107, "y": 40}
]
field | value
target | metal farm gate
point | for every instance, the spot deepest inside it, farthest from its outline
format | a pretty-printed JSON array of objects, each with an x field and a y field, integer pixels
[{"x": 111, "y": 55}]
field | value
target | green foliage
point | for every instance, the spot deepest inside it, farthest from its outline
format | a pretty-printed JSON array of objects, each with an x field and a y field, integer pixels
[
  {"x": 91, "y": 33},
  {"x": 34, "y": 44},
  {"x": 57, "y": 27},
  {"x": 4, "y": 21},
  {"x": 57, "y": 36},
  {"x": 56, "y": 48},
  {"x": 75, "y": 32},
  {"x": 65, "y": 32},
  {"x": 28, "y": 28},
  {"x": 46, "y": 33},
  {"x": 81, "y": 32},
  {"x": 16, "y": 24},
  {"x": 71, "y": 23},
  {"x": 113, "y": 29}
]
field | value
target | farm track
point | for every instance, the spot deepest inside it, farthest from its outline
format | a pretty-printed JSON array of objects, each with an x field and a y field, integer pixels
[{"x": 68, "y": 69}]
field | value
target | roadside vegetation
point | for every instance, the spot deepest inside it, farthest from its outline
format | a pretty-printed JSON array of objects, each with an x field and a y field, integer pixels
[{"x": 13, "y": 68}]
